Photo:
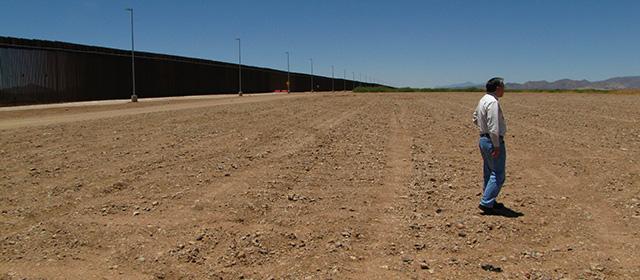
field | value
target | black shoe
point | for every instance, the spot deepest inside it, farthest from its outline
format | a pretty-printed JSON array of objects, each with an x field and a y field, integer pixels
[
  {"x": 488, "y": 210},
  {"x": 498, "y": 205}
]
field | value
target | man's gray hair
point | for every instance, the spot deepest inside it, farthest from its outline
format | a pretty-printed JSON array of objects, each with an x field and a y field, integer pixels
[{"x": 494, "y": 83}]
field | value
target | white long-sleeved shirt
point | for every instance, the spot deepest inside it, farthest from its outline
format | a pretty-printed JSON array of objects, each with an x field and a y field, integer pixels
[{"x": 489, "y": 119}]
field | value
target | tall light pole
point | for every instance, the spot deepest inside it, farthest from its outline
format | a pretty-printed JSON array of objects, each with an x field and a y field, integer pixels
[
  {"x": 332, "y": 80},
  {"x": 134, "y": 97},
  {"x": 344, "y": 88},
  {"x": 288, "y": 75},
  {"x": 239, "y": 69},
  {"x": 311, "y": 74},
  {"x": 353, "y": 80}
]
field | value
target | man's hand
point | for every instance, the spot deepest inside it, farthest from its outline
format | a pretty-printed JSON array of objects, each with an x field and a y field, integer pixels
[{"x": 496, "y": 152}]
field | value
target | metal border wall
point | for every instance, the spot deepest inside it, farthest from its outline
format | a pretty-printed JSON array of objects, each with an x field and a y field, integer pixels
[{"x": 36, "y": 72}]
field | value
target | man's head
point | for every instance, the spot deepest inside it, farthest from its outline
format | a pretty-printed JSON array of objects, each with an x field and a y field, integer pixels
[{"x": 496, "y": 85}]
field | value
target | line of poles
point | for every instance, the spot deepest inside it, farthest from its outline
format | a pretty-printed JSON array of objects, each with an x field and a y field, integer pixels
[{"x": 134, "y": 97}]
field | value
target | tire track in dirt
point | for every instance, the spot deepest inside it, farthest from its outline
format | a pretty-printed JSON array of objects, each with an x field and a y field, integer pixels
[
  {"x": 391, "y": 202},
  {"x": 250, "y": 180},
  {"x": 302, "y": 140},
  {"x": 245, "y": 175}
]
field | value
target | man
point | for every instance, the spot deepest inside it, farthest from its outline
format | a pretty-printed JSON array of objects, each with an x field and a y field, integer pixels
[{"x": 492, "y": 128}]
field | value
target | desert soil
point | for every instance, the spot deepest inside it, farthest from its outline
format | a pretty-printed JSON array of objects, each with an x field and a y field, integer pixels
[{"x": 319, "y": 186}]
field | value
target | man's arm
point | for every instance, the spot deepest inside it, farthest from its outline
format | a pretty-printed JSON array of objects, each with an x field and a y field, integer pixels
[{"x": 493, "y": 122}]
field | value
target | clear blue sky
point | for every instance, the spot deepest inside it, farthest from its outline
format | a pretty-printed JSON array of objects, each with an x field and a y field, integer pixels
[{"x": 421, "y": 43}]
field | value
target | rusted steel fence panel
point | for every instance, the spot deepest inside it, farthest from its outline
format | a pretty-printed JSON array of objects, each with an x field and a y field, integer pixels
[{"x": 36, "y": 72}]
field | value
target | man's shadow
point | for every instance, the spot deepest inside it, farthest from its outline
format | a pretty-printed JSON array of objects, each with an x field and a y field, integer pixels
[{"x": 504, "y": 212}]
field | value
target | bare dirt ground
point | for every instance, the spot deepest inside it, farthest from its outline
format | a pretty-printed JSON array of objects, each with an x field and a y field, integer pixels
[{"x": 320, "y": 186}]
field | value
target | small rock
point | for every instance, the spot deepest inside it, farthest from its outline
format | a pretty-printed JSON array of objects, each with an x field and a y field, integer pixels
[
  {"x": 598, "y": 267},
  {"x": 424, "y": 265},
  {"x": 491, "y": 268}
]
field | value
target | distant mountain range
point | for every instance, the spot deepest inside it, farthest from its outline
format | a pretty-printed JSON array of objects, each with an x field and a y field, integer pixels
[{"x": 610, "y": 84}]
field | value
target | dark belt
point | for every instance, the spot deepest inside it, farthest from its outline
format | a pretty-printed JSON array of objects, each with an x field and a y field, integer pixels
[{"x": 487, "y": 135}]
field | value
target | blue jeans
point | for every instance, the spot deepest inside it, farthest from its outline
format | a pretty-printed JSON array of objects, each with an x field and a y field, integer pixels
[{"x": 494, "y": 170}]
